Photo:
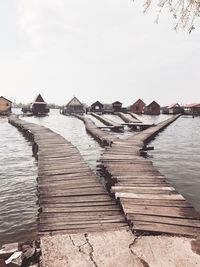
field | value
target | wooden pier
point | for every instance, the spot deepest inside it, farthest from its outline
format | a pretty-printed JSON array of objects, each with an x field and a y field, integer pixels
[
  {"x": 104, "y": 138},
  {"x": 127, "y": 118},
  {"x": 133, "y": 122},
  {"x": 149, "y": 202},
  {"x": 71, "y": 198},
  {"x": 114, "y": 126}
]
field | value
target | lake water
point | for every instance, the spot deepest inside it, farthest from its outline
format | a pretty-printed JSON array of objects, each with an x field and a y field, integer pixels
[{"x": 176, "y": 155}]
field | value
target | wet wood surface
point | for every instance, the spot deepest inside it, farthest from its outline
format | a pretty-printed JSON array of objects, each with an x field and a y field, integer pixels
[{"x": 71, "y": 198}]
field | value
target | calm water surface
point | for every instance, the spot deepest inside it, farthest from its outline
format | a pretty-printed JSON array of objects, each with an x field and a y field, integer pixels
[{"x": 176, "y": 155}]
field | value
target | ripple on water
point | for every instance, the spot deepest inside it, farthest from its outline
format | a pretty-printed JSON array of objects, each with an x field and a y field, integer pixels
[
  {"x": 177, "y": 155},
  {"x": 17, "y": 186}
]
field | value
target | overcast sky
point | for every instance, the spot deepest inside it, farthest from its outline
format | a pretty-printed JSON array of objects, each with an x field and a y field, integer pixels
[{"x": 104, "y": 50}]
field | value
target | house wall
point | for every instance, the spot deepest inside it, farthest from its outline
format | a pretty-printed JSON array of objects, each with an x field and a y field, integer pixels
[
  {"x": 74, "y": 109},
  {"x": 138, "y": 107},
  {"x": 96, "y": 108},
  {"x": 153, "y": 110},
  {"x": 40, "y": 108},
  {"x": 175, "y": 110},
  {"x": 4, "y": 105},
  {"x": 117, "y": 107}
]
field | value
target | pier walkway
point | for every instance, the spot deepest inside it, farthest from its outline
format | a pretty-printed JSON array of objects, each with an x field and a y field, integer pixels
[
  {"x": 149, "y": 202},
  {"x": 104, "y": 138},
  {"x": 114, "y": 126},
  {"x": 71, "y": 198},
  {"x": 133, "y": 122},
  {"x": 127, "y": 118}
]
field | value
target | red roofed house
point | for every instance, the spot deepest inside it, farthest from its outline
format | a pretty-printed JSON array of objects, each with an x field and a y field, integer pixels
[
  {"x": 174, "y": 109},
  {"x": 138, "y": 107},
  {"x": 153, "y": 109},
  {"x": 192, "y": 109}
]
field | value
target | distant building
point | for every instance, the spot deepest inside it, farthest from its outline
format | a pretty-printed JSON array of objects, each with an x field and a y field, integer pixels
[
  {"x": 117, "y": 106},
  {"x": 39, "y": 106},
  {"x": 192, "y": 109},
  {"x": 153, "y": 109},
  {"x": 74, "y": 106},
  {"x": 138, "y": 107},
  {"x": 5, "y": 106},
  {"x": 174, "y": 109},
  {"x": 96, "y": 107}
]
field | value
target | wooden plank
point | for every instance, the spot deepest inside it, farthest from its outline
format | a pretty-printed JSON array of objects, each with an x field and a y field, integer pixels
[
  {"x": 156, "y": 202},
  {"x": 78, "y": 199},
  {"x": 78, "y": 204},
  {"x": 80, "y": 226},
  {"x": 80, "y": 215},
  {"x": 166, "y": 220},
  {"x": 150, "y": 196},
  {"x": 179, "y": 212},
  {"x": 165, "y": 228},
  {"x": 80, "y": 219},
  {"x": 80, "y": 209}
]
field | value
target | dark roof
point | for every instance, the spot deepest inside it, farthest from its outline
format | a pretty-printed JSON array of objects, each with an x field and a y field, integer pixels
[
  {"x": 39, "y": 99},
  {"x": 116, "y": 102},
  {"x": 139, "y": 100},
  {"x": 6, "y": 99},
  {"x": 153, "y": 103},
  {"x": 97, "y": 103}
]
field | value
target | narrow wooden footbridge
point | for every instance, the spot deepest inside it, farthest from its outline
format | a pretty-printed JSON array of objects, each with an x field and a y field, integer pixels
[
  {"x": 104, "y": 138},
  {"x": 114, "y": 126},
  {"x": 149, "y": 202},
  {"x": 71, "y": 198},
  {"x": 132, "y": 121}
]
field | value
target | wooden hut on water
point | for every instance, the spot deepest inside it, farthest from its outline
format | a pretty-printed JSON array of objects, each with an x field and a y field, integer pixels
[
  {"x": 74, "y": 106},
  {"x": 174, "y": 109},
  {"x": 117, "y": 106},
  {"x": 138, "y": 107},
  {"x": 96, "y": 107},
  {"x": 192, "y": 109},
  {"x": 38, "y": 107},
  {"x": 5, "y": 106},
  {"x": 152, "y": 109}
]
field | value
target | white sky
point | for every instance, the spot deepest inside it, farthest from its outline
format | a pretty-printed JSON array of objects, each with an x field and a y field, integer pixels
[{"x": 104, "y": 50}]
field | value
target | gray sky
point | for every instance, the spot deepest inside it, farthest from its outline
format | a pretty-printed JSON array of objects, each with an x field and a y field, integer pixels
[{"x": 104, "y": 50}]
